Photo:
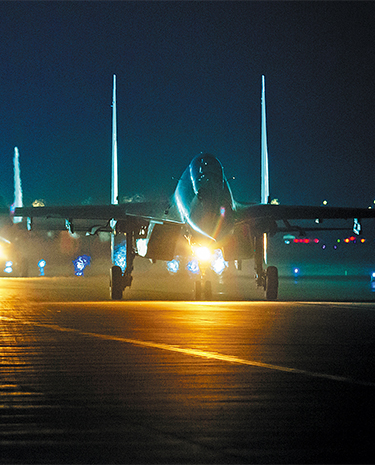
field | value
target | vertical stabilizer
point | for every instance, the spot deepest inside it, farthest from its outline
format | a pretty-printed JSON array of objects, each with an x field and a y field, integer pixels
[
  {"x": 17, "y": 185},
  {"x": 114, "y": 184},
  {"x": 114, "y": 178},
  {"x": 265, "y": 186}
]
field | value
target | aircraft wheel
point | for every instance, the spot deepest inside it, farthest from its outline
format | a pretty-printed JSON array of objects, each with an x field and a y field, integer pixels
[
  {"x": 115, "y": 286},
  {"x": 208, "y": 290},
  {"x": 238, "y": 264},
  {"x": 272, "y": 283},
  {"x": 198, "y": 290}
]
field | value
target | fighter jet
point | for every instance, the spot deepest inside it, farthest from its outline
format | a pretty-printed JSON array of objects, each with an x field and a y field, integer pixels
[{"x": 200, "y": 217}]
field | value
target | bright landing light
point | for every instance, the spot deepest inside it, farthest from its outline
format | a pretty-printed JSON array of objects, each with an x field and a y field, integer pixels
[{"x": 203, "y": 254}]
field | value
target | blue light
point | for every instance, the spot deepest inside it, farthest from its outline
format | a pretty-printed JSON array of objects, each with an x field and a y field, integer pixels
[
  {"x": 193, "y": 266},
  {"x": 218, "y": 264},
  {"x": 173, "y": 265},
  {"x": 8, "y": 267},
  {"x": 296, "y": 271},
  {"x": 80, "y": 264},
  {"x": 119, "y": 256},
  {"x": 288, "y": 238},
  {"x": 41, "y": 265}
]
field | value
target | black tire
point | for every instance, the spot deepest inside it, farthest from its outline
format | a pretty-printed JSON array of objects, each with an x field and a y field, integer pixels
[
  {"x": 198, "y": 290},
  {"x": 208, "y": 290},
  {"x": 115, "y": 287},
  {"x": 272, "y": 283}
]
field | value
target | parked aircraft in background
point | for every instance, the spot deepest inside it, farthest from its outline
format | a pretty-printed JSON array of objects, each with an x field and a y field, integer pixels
[{"x": 200, "y": 217}]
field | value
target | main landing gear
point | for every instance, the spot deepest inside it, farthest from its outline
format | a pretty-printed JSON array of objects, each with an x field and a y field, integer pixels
[
  {"x": 269, "y": 278},
  {"x": 271, "y": 283},
  {"x": 115, "y": 283},
  {"x": 118, "y": 280}
]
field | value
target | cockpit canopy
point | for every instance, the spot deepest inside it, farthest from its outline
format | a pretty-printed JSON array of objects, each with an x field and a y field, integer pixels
[{"x": 206, "y": 169}]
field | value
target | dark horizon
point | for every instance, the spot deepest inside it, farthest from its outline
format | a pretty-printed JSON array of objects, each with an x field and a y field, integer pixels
[{"x": 188, "y": 80}]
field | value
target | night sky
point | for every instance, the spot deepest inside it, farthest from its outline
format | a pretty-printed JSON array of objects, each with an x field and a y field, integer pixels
[{"x": 188, "y": 80}]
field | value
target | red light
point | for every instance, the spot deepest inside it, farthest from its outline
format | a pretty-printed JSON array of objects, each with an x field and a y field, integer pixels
[
  {"x": 305, "y": 241},
  {"x": 347, "y": 240}
]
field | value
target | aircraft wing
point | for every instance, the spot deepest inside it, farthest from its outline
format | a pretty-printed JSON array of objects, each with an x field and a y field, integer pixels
[
  {"x": 265, "y": 217},
  {"x": 87, "y": 217}
]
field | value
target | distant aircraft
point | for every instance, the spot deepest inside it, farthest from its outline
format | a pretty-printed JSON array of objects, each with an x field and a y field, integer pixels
[{"x": 201, "y": 216}]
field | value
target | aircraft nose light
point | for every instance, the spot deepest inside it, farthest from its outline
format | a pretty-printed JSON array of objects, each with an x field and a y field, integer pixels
[{"x": 203, "y": 254}]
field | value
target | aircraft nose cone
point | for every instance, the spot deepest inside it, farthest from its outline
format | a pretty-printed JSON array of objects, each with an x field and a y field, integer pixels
[{"x": 209, "y": 194}]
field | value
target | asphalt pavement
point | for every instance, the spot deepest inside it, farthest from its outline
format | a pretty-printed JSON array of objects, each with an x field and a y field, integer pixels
[{"x": 87, "y": 380}]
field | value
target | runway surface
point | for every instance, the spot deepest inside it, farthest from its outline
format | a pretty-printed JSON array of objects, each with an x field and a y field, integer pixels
[{"x": 87, "y": 380}]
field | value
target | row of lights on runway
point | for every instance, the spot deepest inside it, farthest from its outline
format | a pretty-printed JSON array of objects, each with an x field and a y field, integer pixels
[
  {"x": 79, "y": 263},
  {"x": 9, "y": 267},
  {"x": 348, "y": 240},
  {"x": 289, "y": 239}
]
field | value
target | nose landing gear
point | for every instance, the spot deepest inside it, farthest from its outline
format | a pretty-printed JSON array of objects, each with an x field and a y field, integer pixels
[
  {"x": 118, "y": 282},
  {"x": 206, "y": 291}
]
